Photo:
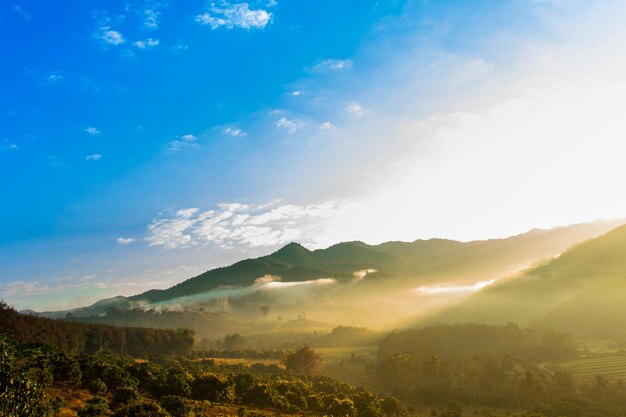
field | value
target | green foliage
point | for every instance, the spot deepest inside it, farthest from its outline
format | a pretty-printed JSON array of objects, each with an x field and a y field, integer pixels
[
  {"x": 74, "y": 337},
  {"x": 95, "y": 407},
  {"x": 124, "y": 396},
  {"x": 303, "y": 361},
  {"x": 97, "y": 386},
  {"x": 141, "y": 410},
  {"x": 391, "y": 406},
  {"x": 212, "y": 387},
  {"x": 21, "y": 395},
  {"x": 342, "y": 408},
  {"x": 176, "y": 406},
  {"x": 465, "y": 340}
]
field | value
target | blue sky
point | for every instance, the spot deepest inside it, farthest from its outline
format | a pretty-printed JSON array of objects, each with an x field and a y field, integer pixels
[{"x": 142, "y": 142}]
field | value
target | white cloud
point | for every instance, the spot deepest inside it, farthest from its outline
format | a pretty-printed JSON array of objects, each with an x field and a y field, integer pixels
[
  {"x": 110, "y": 36},
  {"x": 94, "y": 157},
  {"x": 92, "y": 131},
  {"x": 238, "y": 15},
  {"x": 291, "y": 125},
  {"x": 146, "y": 44},
  {"x": 234, "y": 131},
  {"x": 5, "y": 145},
  {"x": 355, "y": 109},
  {"x": 151, "y": 18},
  {"x": 296, "y": 93},
  {"x": 125, "y": 240},
  {"x": 186, "y": 142},
  {"x": 333, "y": 65},
  {"x": 243, "y": 225},
  {"x": 187, "y": 213},
  {"x": 54, "y": 78}
]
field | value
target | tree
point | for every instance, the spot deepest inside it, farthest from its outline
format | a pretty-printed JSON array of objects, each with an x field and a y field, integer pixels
[
  {"x": 20, "y": 395},
  {"x": 95, "y": 407},
  {"x": 303, "y": 361},
  {"x": 342, "y": 408},
  {"x": 175, "y": 405},
  {"x": 212, "y": 387},
  {"x": 233, "y": 342},
  {"x": 141, "y": 410},
  {"x": 265, "y": 310},
  {"x": 391, "y": 406}
]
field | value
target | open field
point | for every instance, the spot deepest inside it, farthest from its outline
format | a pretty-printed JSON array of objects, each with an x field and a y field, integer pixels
[
  {"x": 609, "y": 366},
  {"x": 602, "y": 346},
  {"x": 245, "y": 361},
  {"x": 347, "y": 364}
]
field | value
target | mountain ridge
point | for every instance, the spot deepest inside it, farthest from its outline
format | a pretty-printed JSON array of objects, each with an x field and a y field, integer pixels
[{"x": 361, "y": 274}]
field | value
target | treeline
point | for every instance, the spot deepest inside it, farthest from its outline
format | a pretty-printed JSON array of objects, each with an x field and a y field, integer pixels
[
  {"x": 473, "y": 366},
  {"x": 465, "y": 340},
  {"x": 170, "y": 387},
  {"x": 496, "y": 381},
  {"x": 73, "y": 337}
]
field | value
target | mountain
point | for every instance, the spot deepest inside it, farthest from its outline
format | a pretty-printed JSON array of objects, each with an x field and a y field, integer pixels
[
  {"x": 347, "y": 283},
  {"x": 423, "y": 259},
  {"x": 582, "y": 291}
]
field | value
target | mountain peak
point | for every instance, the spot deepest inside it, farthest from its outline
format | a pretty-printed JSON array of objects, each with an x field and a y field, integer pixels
[
  {"x": 293, "y": 253},
  {"x": 292, "y": 247}
]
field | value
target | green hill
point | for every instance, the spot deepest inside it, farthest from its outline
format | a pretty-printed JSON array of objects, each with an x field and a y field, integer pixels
[
  {"x": 233, "y": 294},
  {"x": 582, "y": 291}
]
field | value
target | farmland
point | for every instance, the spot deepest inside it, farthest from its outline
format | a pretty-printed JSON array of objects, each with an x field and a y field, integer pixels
[{"x": 609, "y": 366}]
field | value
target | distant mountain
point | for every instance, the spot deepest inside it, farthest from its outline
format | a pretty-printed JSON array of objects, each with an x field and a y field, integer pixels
[
  {"x": 428, "y": 260},
  {"x": 582, "y": 291},
  {"x": 347, "y": 283}
]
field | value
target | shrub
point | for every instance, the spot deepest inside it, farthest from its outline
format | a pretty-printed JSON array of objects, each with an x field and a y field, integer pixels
[
  {"x": 175, "y": 405},
  {"x": 95, "y": 407}
]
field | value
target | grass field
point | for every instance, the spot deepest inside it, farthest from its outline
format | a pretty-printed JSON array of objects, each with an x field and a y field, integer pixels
[
  {"x": 347, "y": 364},
  {"x": 609, "y": 366}
]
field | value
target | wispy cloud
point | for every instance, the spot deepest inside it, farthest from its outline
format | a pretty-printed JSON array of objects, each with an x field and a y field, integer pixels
[
  {"x": 355, "y": 109},
  {"x": 291, "y": 125},
  {"x": 329, "y": 65},
  {"x": 109, "y": 36},
  {"x": 151, "y": 18},
  {"x": 234, "y": 131},
  {"x": 239, "y": 224},
  {"x": 183, "y": 142},
  {"x": 20, "y": 11},
  {"x": 94, "y": 157},
  {"x": 5, "y": 145},
  {"x": 124, "y": 241},
  {"x": 146, "y": 44},
  {"x": 92, "y": 131},
  {"x": 237, "y": 15},
  {"x": 54, "y": 77}
]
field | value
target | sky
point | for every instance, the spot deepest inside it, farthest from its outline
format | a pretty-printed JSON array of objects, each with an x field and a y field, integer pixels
[{"x": 143, "y": 142}]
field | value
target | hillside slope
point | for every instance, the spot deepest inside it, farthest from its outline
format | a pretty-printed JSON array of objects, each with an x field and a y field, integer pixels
[
  {"x": 352, "y": 282},
  {"x": 581, "y": 291}
]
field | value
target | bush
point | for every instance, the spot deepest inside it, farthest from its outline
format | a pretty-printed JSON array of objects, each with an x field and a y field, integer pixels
[
  {"x": 20, "y": 394},
  {"x": 303, "y": 361},
  {"x": 141, "y": 410},
  {"x": 175, "y": 405},
  {"x": 97, "y": 387},
  {"x": 124, "y": 396},
  {"x": 342, "y": 408},
  {"x": 95, "y": 407},
  {"x": 213, "y": 388}
]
